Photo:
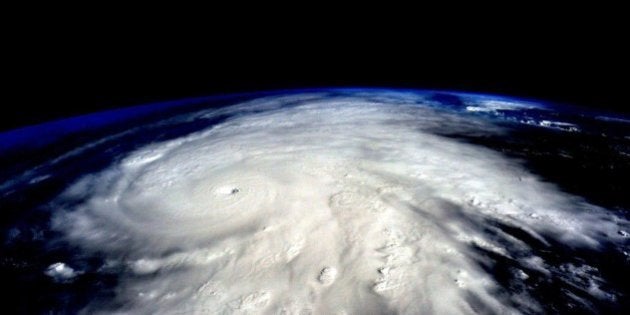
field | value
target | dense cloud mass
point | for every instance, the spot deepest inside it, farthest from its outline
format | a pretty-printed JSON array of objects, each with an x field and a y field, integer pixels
[{"x": 355, "y": 204}]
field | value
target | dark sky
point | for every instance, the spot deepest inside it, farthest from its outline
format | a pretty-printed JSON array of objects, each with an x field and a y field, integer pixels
[{"x": 59, "y": 78}]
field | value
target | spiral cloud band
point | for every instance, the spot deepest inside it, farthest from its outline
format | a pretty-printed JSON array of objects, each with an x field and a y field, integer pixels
[{"x": 354, "y": 204}]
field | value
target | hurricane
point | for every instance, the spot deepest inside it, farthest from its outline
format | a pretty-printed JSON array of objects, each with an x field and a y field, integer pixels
[{"x": 352, "y": 203}]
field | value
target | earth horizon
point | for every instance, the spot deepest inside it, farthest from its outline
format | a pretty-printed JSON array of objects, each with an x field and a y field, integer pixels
[{"x": 322, "y": 201}]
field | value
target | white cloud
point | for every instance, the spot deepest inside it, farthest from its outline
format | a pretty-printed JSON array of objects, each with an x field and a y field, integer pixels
[{"x": 341, "y": 205}]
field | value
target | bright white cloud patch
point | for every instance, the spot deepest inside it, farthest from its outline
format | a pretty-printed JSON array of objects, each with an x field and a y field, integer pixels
[
  {"x": 60, "y": 272},
  {"x": 496, "y": 105},
  {"x": 338, "y": 206}
]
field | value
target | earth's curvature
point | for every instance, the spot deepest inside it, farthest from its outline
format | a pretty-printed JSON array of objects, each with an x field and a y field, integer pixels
[{"x": 338, "y": 201}]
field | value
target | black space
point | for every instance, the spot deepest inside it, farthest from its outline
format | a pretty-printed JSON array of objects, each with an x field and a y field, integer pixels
[{"x": 58, "y": 77}]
